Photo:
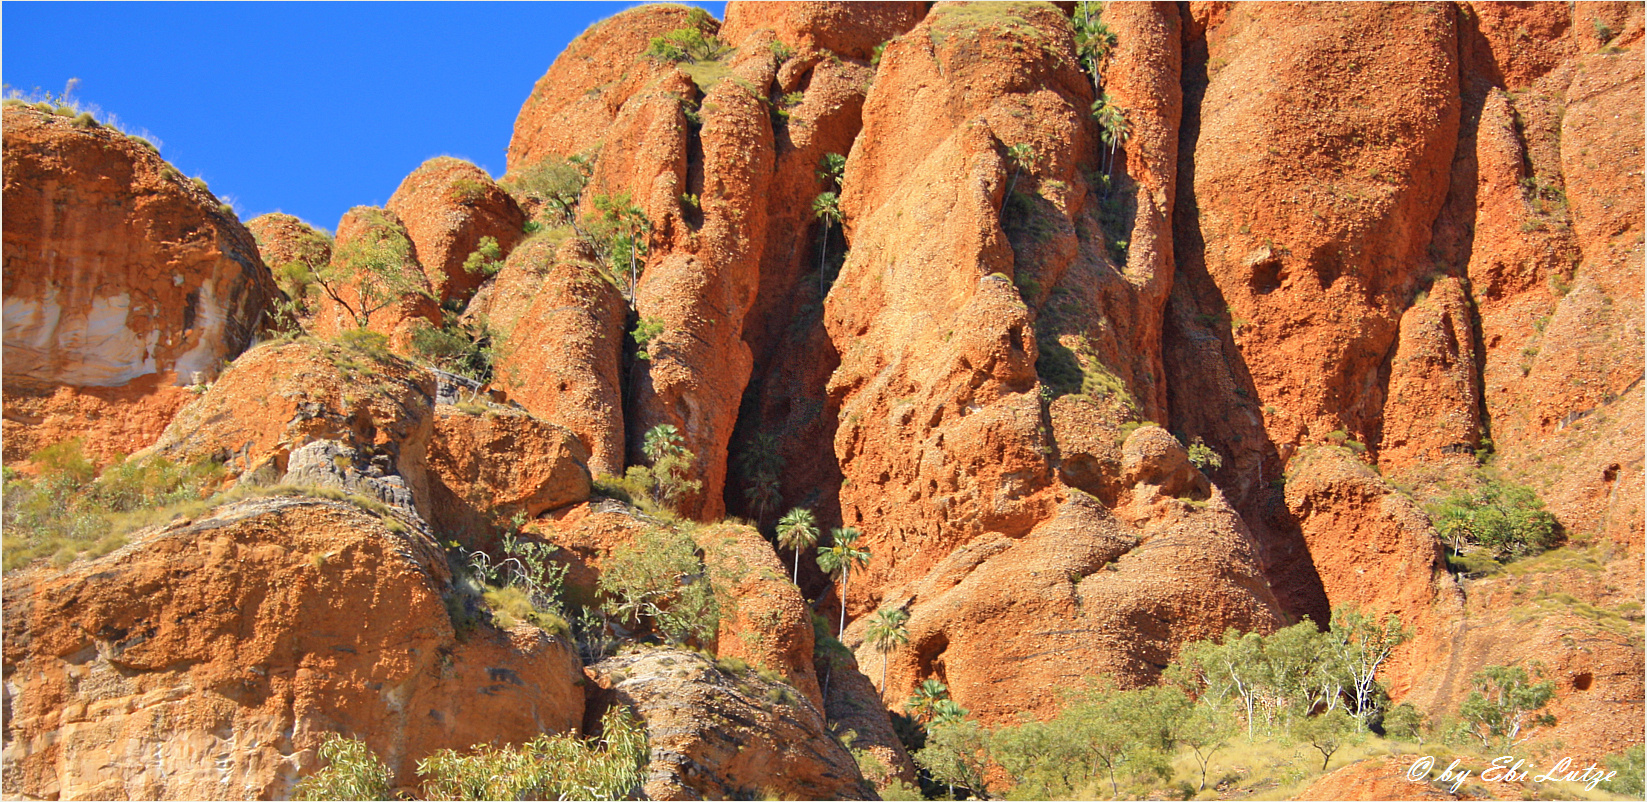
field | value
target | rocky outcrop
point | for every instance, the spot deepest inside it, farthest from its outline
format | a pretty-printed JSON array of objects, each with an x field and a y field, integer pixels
[
  {"x": 573, "y": 104},
  {"x": 820, "y": 90},
  {"x": 283, "y": 239},
  {"x": 211, "y": 657},
  {"x": 1309, "y": 276},
  {"x": 1357, "y": 527},
  {"x": 448, "y": 205},
  {"x": 380, "y": 284},
  {"x": 716, "y": 735},
  {"x": 764, "y": 619},
  {"x": 1093, "y": 590},
  {"x": 559, "y": 324},
  {"x": 278, "y": 399},
  {"x": 489, "y": 468},
  {"x": 1573, "y": 616},
  {"x": 1379, "y": 778},
  {"x": 125, "y": 283}
]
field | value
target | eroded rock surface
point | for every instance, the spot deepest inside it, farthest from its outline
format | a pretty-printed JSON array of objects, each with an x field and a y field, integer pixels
[
  {"x": 209, "y": 659},
  {"x": 720, "y": 736},
  {"x": 125, "y": 282}
]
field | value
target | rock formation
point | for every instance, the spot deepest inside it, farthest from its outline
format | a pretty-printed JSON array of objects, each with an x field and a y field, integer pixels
[
  {"x": 1104, "y": 349},
  {"x": 211, "y": 657},
  {"x": 125, "y": 283},
  {"x": 448, "y": 205}
]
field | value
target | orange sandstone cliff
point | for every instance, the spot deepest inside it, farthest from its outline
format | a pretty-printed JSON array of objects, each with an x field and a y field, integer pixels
[{"x": 1361, "y": 254}]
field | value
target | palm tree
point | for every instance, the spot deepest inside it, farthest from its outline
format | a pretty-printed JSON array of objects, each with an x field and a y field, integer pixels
[
  {"x": 838, "y": 558},
  {"x": 1093, "y": 41},
  {"x": 1112, "y": 128},
  {"x": 825, "y": 207},
  {"x": 945, "y": 711},
  {"x": 927, "y": 695},
  {"x": 661, "y": 441},
  {"x": 798, "y": 531},
  {"x": 1020, "y": 155},
  {"x": 886, "y": 633}
]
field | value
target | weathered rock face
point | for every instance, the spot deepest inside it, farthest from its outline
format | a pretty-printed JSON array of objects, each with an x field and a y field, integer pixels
[
  {"x": 1556, "y": 268},
  {"x": 283, "y": 238},
  {"x": 1578, "y": 622},
  {"x": 561, "y": 325},
  {"x": 447, "y": 206},
  {"x": 574, "y": 103},
  {"x": 1357, "y": 527},
  {"x": 486, "y": 469},
  {"x": 388, "y": 291},
  {"x": 280, "y": 398},
  {"x": 1338, "y": 299},
  {"x": 963, "y": 477},
  {"x": 1310, "y": 276},
  {"x": 124, "y": 282},
  {"x": 1093, "y": 590},
  {"x": 793, "y": 357},
  {"x": 210, "y": 658},
  {"x": 715, "y": 736}
]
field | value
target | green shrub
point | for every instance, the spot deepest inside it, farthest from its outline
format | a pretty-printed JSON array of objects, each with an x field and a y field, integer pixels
[
  {"x": 463, "y": 347},
  {"x": 465, "y": 191},
  {"x": 1507, "y": 519},
  {"x": 546, "y": 767},
  {"x": 486, "y": 260},
  {"x": 352, "y": 771},
  {"x": 1203, "y": 457},
  {"x": 1627, "y": 768},
  {"x": 1505, "y": 703},
  {"x": 659, "y": 581},
  {"x": 686, "y": 44},
  {"x": 68, "y": 510},
  {"x": 85, "y": 120},
  {"x": 365, "y": 342}
]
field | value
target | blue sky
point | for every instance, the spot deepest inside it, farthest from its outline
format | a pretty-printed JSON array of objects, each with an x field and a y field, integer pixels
[{"x": 308, "y": 108}]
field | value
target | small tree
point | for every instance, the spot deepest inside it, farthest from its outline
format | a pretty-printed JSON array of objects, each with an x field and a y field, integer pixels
[
  {"x": 1093, "y": 41},
  {"x": 927, "y": 695},
  {"x": 620, "y": 230},
  {"x": 1505, "y": 702},
  {"x": 957, "y": 754},
  {"x": 1404, "y": 723},
  {"x": 1205, "y": 730},
  {"x": 1021, "y": 155},
  {"x": 827, "y": 207},
  {"x": 671, "y": 461},
  {"x": 762, "y": 466},
  {"x": 1506, "y": 518},
  {"x": 838, "y": 558},
  {"x": 375, "y": 266},
  {"x": 1362, "y": 645},
  {"x": 798, "y": 531},
  {"x": 1328, "y": 733},
  {"x": 1114, "y": 130},
  {"x": 659, "y": 580},
  {"x": 886, "y": 633}
]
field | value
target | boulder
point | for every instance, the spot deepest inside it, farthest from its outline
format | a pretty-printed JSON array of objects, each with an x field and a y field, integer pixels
[
  {"x": 211, "y": 657},
  {"x": 448, "y": 205},
  {"x": 723, "y": 735},
  {"x": 126, "y": 283}
]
